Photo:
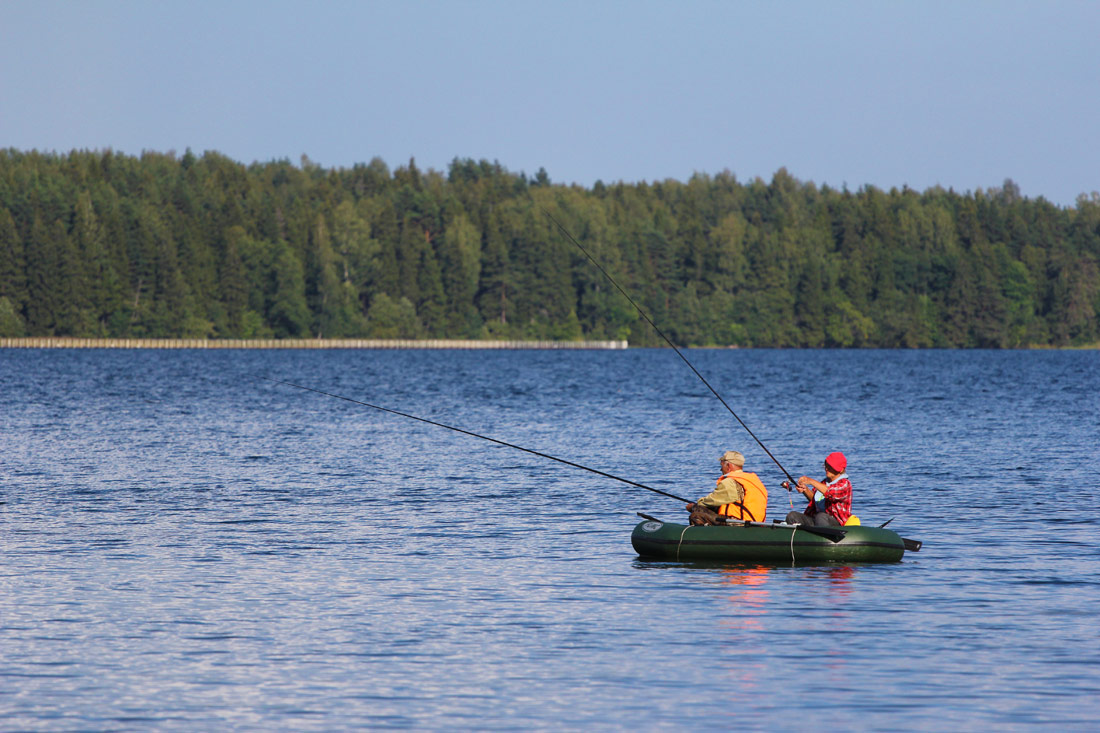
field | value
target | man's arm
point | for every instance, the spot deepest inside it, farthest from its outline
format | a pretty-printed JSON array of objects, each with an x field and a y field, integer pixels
[{"x": 728, "y": 491}]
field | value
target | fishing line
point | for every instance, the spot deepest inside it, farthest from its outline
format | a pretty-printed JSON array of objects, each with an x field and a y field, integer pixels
[
  {"x": 910, "y": 545},
  {"x": 476, "y": 435},
  {"x": 660, "y": 333}
]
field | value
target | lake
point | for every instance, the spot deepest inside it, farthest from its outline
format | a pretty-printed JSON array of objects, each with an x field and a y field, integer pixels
[{"x": 186, "y": 546}]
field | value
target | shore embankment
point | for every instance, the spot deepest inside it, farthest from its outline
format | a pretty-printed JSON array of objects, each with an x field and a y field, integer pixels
[{"x": 64, "y": 342}]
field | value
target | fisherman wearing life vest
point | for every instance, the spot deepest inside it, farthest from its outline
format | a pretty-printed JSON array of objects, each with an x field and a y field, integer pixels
[
  {"x": 738, "y": 495},
  {"x": 830, "y": 500}
]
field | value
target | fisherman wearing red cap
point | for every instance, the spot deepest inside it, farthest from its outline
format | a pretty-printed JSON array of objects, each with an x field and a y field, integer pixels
[{"x": 830, "y": 500}]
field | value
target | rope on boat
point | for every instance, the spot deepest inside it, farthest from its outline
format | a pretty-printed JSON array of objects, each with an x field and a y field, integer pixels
[
  {"x": 792, "y": 545},
  {"x": 681, "y": 541}
]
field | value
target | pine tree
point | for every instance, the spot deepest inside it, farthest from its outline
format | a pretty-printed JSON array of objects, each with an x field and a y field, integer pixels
[
  {"x": 105, "y": 290},
  {"x": 431, "y": 306},
  {"x": 11, "y": 321},
  {"x": 493, "y": 292},
  {"x": 386, "y": 232},
  {"x": 13, "y": 277},
  {"x": 287, "y": 311},
  {"x": 74, "y": 314},
  {"x": 393, "y": 319},
  {"x": 334, "y": 301},
  {"x": 44, "y": 273},
  {"x": 460, "y": 266},
  {"x": 409, "y": 257},
  {"x": 233, "y": 285}
]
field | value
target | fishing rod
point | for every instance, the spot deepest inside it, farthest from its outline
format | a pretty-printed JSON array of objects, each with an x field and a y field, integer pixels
[
  {"x": 475, "y": 435},
  {"x": 679, "y": 353}
]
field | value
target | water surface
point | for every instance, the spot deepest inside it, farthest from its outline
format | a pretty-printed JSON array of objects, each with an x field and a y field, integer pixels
[{"x": 185, "y": 546}]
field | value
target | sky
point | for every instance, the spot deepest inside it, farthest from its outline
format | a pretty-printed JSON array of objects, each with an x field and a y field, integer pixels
[{"x": 961, "y": 94}]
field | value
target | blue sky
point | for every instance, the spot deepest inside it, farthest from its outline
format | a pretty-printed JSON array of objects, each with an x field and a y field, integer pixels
[{"x": 959, "y": 94}]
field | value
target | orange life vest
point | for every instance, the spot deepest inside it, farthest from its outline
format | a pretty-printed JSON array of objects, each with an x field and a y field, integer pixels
[{"x": 754, "y": 506}]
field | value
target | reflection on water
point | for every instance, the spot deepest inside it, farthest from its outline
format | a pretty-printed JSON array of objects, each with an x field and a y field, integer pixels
[
  {"x": 840, "y": 580},
  {"x": 749, "y": 597}
]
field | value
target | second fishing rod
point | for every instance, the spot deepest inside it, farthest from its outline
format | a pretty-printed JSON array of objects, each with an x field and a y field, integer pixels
[
  {"x": 472, "y": 434},
  {"x": 668, "y": 341}
]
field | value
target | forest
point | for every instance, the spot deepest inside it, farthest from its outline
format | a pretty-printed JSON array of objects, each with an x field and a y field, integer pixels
[{"x": 102, "y": 244}]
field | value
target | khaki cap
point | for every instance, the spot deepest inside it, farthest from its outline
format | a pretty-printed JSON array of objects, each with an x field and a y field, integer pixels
[{"x": 733, "y": 457}]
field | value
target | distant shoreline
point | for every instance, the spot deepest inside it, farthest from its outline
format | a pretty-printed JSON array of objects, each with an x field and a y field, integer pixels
[{"x": 65, "y": 342}]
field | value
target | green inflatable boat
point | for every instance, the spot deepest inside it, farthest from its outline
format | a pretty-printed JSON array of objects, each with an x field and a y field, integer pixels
[{"x": 777, "y": 542}]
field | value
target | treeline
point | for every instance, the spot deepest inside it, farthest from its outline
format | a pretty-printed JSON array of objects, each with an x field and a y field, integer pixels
[{"x": 99, "y": 244}]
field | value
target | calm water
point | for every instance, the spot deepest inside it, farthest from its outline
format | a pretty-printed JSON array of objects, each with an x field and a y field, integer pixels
[{"x": 184, "y": 546}]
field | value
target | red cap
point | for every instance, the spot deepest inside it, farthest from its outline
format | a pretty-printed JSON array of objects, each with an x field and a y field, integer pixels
[{"x": 836, "y": 461}]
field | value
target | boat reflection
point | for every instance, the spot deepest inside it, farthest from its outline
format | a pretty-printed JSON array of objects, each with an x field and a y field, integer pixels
[
  {"x": 840, "y": 579},
  {"x": 750, "y": 596},
  {"x": 743, "y": 624}
]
